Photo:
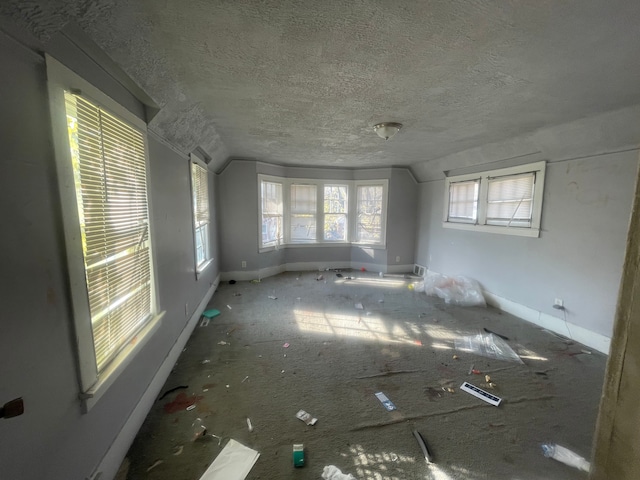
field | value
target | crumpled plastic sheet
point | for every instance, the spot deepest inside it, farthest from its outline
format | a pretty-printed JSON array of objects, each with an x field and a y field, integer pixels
[
  {"x": 459, "y": 290},
  {"x": 331, "y": 472},
  {"x": 487, "y": 345},
  {"x": 234, "y": 462}
]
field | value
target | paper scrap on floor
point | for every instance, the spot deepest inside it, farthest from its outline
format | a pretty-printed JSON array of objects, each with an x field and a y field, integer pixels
[
  {"x": 488, "y": 345},
  {"x": 234, "y": 462}
]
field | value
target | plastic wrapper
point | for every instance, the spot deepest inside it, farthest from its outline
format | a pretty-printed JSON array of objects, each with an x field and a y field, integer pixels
[
  {"x": 487, "y": 345},
  {"x": 331, "y": 472},
  {"x": 566, "y": 456},
  {"x": 461, "y": 291}
]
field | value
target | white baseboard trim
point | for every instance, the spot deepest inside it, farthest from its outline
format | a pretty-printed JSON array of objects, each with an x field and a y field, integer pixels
[
  {"x": 244, "y": 275},
  {"x": 110, "y": 463},
  {"x": 555, "y": 324}
]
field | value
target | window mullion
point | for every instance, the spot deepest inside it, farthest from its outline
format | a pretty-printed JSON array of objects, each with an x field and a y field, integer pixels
[{"x": 482, "y": 200}]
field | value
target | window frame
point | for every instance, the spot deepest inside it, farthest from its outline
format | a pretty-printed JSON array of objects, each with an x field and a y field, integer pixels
[
  {"x": 194, "y": 159},
  {"x": 537, "y": 168},
  {"x": 278, "y": 241},
  {"x": 92, "y": 384},
  {"x": 351, "y": 217}
]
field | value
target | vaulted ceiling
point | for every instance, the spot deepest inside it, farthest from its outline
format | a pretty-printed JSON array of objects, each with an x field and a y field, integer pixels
[{"x": 303, "y": 81}]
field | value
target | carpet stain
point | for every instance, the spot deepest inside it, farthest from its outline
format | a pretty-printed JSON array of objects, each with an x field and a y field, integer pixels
[{"x": 181, "y": 402}]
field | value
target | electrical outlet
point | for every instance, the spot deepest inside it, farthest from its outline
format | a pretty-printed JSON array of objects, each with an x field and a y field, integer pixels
[
  {"x": 244, "y": 264},
  {"x": 398, "y": 259},
  {"x": 558, "y": 303}
]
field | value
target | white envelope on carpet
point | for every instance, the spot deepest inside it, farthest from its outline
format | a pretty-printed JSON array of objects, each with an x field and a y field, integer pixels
[{"x": 234, "y": 462}]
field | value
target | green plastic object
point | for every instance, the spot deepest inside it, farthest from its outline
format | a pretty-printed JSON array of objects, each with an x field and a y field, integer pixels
[
  {"x": 211, "y": 313},
  {"x": 298, "y": 455}
]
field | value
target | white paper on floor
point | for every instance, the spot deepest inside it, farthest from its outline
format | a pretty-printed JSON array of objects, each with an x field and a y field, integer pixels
[
  {"x": 234, "y": 462},
  {"x": 488, "y": 345}
]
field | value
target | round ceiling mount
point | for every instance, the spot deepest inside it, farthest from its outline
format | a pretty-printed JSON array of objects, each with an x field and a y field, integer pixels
[{"x": 387, "y": 130}]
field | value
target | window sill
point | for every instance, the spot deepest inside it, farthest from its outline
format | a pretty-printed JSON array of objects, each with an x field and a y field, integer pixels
[
  {"x": 202, "y": 267},
  {"x": 516, "y": 231},
  {"x": 119, "y": 364},
  {"x": 375, "y": 246}
]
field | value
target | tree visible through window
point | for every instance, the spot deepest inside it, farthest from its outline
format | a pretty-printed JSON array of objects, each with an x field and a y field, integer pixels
[
  {"x": 271, "y": 210},
  {"x": 369, "y": 222},
  {"x": 335, "y": 212}
]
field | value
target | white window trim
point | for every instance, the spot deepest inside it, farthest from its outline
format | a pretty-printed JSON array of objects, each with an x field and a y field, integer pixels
[
  {"x": 480, "y": 226},
  {"x": 92, "y": 387},
  {"x": 199, "y": 269},
  {"x": 351, "y": 185}
]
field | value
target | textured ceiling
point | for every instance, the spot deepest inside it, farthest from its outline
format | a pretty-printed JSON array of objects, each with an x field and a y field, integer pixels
[{"x": 302, "y": 82}]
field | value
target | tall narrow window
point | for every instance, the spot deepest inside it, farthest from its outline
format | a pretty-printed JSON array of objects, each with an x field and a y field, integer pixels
[
  {"x": 510, "y": 200},
  {"x": 201, "y": 220},
  {"x": 369, "y": 199},
  {"x": 335, "y": 212},
  {"x": 463, "y": 201},
  {"x": 271, "y": 211},
  {"x": 110, "y": 176},
  {"x": 302, "y": 218}
]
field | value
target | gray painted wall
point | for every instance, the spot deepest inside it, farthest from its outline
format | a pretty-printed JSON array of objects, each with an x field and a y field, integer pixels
[
  {"x": 578, "y": 256},
  {"x": 53, "y": 439},
  {"x": 238, "y": 200}
]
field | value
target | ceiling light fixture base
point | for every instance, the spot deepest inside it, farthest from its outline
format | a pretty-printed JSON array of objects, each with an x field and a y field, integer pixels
[{"x": 387, "y": 130}]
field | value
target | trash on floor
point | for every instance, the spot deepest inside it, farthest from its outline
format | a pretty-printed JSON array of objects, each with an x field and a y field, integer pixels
[
  {"x": 211, "y": 313},
  {"x": 205, "y": 322},
  {"x": 155, "y": 464},
  {"x": 320, "y": 277},
  {"x": 384, "y": 400},
  {"x": 481, "y": 394},
  {"x": 171, "y": 390},
  {"x": 222, "y": 342},
  {"x": 256, "y": 280},
  {"x": 359, "y": 306},
  {"x": 181, "y": 402},
  {"x": 331, "y": 472},
  {"x": 298, "y": 455},
  {"x": 229, "y": 307},
  {"x": 272, "y": 297},
  {"x": 177, "y": 450},
  {"x": 204, "y": 362},
  {"x": 423, "y": 446},
  {"x": 234, "y": 462},
  {"x": 198, "y": 430},
  {"x": 249, "y": 425},
  {"x": 245, "y": 379},
  {"x": 566, "y": 456},
  {"x": 237, "y": 294},
  {"x": 286, "y": 345},
  {"x": 339, "y": 275},
  {"x": 471, "y": 368},
  {"x": 461, "y": 291},
  {"x": 306, "y": 417},
  {"x": 487, "y": 345},
  {"x": 497, "y": 334}
]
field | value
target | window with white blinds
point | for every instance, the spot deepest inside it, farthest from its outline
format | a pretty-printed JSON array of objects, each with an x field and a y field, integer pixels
[
  {"x": 336, "y": 205},
  {"x": 110, "y": 176},
  {"x": 270, "y": 213},
  {"x": 507, "y": 200},
  {"x": 302, "y": 216},
  {"x": 510, "y": 200},
  {"x": 463, "y": 201},
  {"x": 201, "y": 218}
]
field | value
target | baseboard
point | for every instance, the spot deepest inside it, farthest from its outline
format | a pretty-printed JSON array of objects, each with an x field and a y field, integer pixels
[
  {"x": 244, "y": 275},
  {"x": 110, "y": 463},
  {"x": 555, "y": 324}
]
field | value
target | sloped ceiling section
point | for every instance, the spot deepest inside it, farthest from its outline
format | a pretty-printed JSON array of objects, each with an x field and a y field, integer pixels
[{"x": 302, "y": 82}]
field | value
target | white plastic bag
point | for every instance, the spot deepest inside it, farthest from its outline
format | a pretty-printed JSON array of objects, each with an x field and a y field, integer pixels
[
  {"x": 331, "y": 472},
  {"x": 461, "y": 291},
  {"x": 566, "y": 456}
]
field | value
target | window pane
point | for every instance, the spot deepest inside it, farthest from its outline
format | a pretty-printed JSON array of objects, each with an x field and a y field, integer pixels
[
  {"x": 335, "y": 212},
  {"x": 510, "y": 200},
  {"x": 271, "y": 203},
  {"x": 200, "y": 193},
  {"x": 463, "y": 201},
  {"x": 369, "y": 223},
  {"x": 109, "y": 164},
  {"x": 304, "y": 201}
]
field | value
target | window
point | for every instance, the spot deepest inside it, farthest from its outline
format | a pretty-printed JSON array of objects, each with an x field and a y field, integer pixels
[
  {"x": 336, "y": 204},
  {"x": 369, "y": 212},
  {"x": 508, "y": 200},
  {"x": 302, "y": 219},
  {"x": 302, "y": 211},
  {"x": 271, "y": 213},
  {"x": 101, "y": 157},
  {"x": 201, "y": 221}
]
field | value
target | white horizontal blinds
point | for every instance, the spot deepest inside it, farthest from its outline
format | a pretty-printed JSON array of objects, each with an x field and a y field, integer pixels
[
  {"x": 200, "y": 192},
  {"x": 510, "y": 200},
  {"x": 110, "y": 175},
  {"x": 271, "y": 202},
  {"x": 463, "y": 201},
  {"x": 369, "y": 222},
  {"x": 335, "y": 212},
  {"x": 304, "y": 199}
]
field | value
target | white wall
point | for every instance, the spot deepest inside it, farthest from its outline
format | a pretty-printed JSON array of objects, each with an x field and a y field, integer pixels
[{"x": 578, "y": 256}]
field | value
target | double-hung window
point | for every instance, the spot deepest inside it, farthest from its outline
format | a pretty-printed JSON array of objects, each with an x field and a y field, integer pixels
[
  {"x": 370, "y": 208},
  {"x": 336, "y": 206},
  {"x": 271, "y": 213},
  {"x": 102, "y": 167},
  {"x": 302, "y": 216},
  {"x": 507, "y": 200},
  {"x": 201, "y": 217}
]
